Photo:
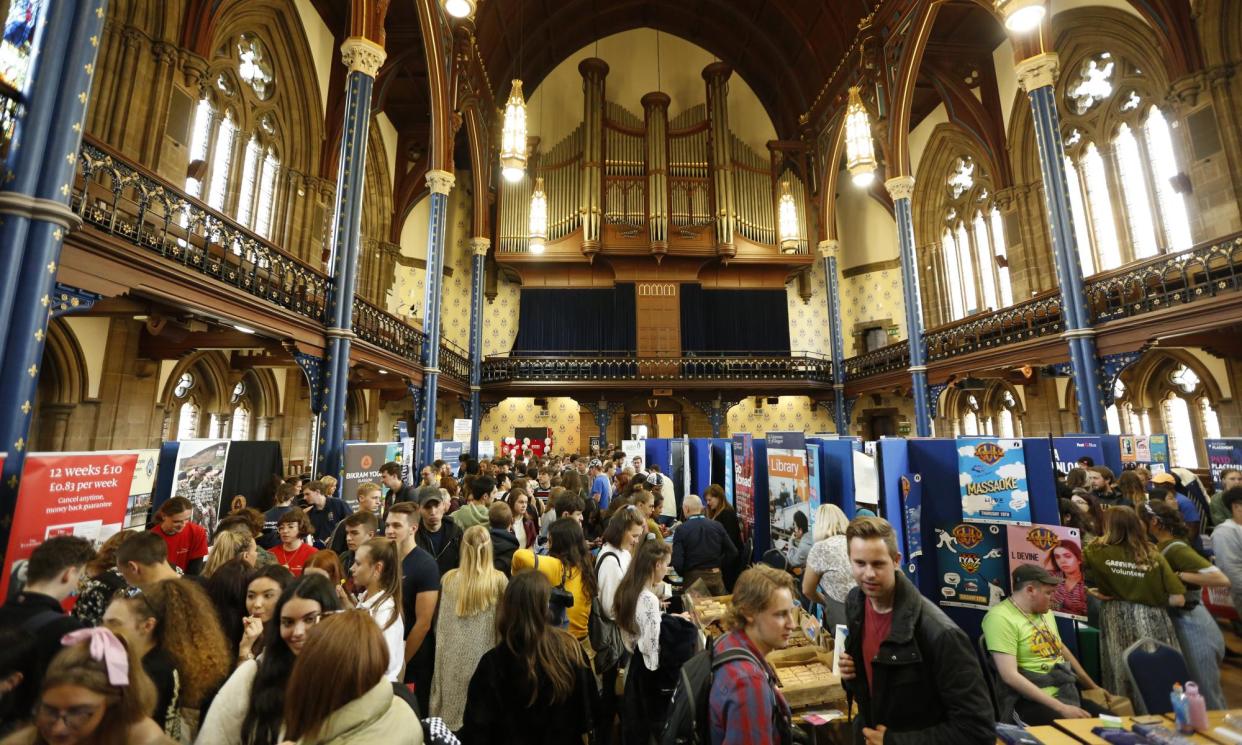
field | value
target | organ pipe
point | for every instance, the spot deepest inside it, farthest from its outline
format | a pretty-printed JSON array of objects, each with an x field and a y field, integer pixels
[
  {"x": 594, "y": 71},
  {"x": 717, "y": 77}
]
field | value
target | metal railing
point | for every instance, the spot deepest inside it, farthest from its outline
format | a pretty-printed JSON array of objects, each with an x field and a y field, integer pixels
[
  {"x": 375, "y": 325},
  {"x": 805, "y": 368},
  {"x": 454, "y": 361}
]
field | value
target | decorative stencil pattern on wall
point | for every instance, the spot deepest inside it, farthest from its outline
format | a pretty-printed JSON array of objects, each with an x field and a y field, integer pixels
[
  {"x": 407, "y": 291},
  {"x": 455, "y": 297},
  {"x": 500, "y": 318},
  {"x": 561, "y": 417},
  {"x": 871, "y": 296},
  {"x": 808, "y": 321},
  {"x": 791, "y": 414}
]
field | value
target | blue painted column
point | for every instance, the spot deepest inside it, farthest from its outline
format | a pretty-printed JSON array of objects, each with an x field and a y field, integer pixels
[
  {"x": 478, "y": 249},
  {"x": 363, "y": 57},
  {"x": 828, "y": 250},
  {"x": 900, "y": 189},
  {"x": 1037, "y": 76},
  {"x": 440, "y": 183},
  {"x": 35, "y": 213}
]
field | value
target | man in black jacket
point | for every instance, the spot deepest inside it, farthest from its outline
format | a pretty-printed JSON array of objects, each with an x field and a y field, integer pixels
[
  {"x": 701, "y": 547},
  {"x": 437, "y": 534},
  {"x": 398, "y": 490},
  {"x": 912, "y": 671},
  {"x": 504, "y": 543}
]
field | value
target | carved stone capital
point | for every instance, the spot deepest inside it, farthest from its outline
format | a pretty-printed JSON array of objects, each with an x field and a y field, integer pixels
[
  {"x": 479, "y": 246},
  {"x": 440, "y": 182},
  {"x": 1185, "y": 92},
  {"x": 1038, "y": 71},
  {"x": 165, "y": 53},
  {"x": 828, "y": 249},
  {"x": 363, "y": 55},
  {"x": 900, "y": 187}
]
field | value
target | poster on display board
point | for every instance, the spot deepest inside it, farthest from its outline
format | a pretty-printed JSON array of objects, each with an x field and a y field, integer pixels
[
  {"x": 408, "y": 471},
  {"x": 1067, "y": 451},
  {"x": 635, "y": 454},
  {"x": 743, "y": 482},
  {"x": 1059, "y": 550},
  {"x": 362, "y": 465},
  {"x": 788, "y": 486},
  {"x": 448, "y": 451},
  {"x": 973, "y": 565},
  {"x": 812, "y": 476},
  {"x": 1148, "y": 451},
  {"x": 535, "y": 441},
  {"x": 728, "y": 470},
  {"x": 912, "y": 509},
  {"x": 992, "y": 478},
  {"x": 461, "y": 430},
  {"x": 866, "y": 480},
  {"x": 1222, "y": 453},
  {"x": 91, "y": 495},
  {"x": 198, "y": 475},
  {"x": 487, "y": 450}
]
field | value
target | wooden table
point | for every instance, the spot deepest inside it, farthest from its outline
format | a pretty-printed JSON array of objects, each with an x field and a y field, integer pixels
[
  {"x": 1050, "y": 735},
  {"x": 1215, "y": 719},
  {"x": 1080, "y": 729}
]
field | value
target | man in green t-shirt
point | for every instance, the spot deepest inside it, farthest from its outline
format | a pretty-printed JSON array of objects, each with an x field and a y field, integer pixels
[{"x": 1041, "y": 675}]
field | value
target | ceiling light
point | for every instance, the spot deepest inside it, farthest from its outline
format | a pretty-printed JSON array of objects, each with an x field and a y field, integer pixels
[
  {"x": 859, "y": 149},
  {"x": 243, "y": 329},
  {"x": 787, "y": 213},
  {"x": 459, "y": 8},
  {"x": 382, "y": 371},
  {"x": 538, "y": 218},
  {"x": 1021, "y": 16},
  {"x": 513, "y": 136}
]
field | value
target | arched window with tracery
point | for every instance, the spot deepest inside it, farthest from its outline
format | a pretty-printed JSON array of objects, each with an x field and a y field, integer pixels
[
  {"x": 1188, "y": 413},
  {"x": 188, "y": 411},
  {"x": 973, "y": 245},
  {"x": 235, "y": 142},
  {"x": 240, "y": 420},
  {"x": 968, "y": 417},
  {"x": 1121, "y": 166},
  {"x": 1006, "y": 414}
]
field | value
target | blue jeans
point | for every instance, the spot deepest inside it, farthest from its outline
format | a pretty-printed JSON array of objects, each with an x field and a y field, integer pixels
[{"x": 1203, "y": 646}]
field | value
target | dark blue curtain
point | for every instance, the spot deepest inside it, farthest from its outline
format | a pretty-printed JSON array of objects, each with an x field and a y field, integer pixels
[
  {"x": 563, "y": 321},
  {"x": 734, "y": 320}
]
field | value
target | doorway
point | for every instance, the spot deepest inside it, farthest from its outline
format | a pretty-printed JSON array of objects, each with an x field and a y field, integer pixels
[
  {"x": 881, "y": 424},
  {"x": 654, "y": 425}
]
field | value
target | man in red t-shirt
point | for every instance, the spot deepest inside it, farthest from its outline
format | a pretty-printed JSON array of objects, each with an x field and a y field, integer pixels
[
  {"x": 187, "y": 541},
  {"x": 920, "y": 680}
]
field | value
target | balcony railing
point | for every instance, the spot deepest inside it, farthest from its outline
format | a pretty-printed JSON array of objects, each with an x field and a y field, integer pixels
[
  {"x": 801, "y": 367},
  {"x": 127, "y": 201},
  {"x": 454, "y": 361}
]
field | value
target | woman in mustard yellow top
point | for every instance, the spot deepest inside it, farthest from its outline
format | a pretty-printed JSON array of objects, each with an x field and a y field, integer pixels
[{"x": 568, "y": 565}]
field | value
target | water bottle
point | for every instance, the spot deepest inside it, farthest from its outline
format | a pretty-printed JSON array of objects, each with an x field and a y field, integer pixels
[
  {"x": 1180, "y": 715},
  {"x": 1196, "y": 708}
]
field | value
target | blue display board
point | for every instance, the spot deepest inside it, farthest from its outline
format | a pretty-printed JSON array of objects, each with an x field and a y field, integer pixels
[
  {"x": 1223, "y": 453},
  {"x": 1066, "y": 451},
  {"x": 700, "y": 465},
  {"x": 836, "y": 472},
  {"x": 722, "y": 466},
  {"x": 759, "y": 487}
]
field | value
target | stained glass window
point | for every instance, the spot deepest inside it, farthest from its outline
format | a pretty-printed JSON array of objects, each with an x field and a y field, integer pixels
[{"x": 1093, "y": 83}]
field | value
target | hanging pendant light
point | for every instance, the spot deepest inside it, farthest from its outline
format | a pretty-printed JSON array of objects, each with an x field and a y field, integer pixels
[
  {"x": 459, "y": 8},
  {"x": 538, "y": 218},
  {"x": 513, "y": 136},
  {"x": 787, "y": 215},
  {"x": 1021, "y": 16},
  {"x": 859, "y": 150}
]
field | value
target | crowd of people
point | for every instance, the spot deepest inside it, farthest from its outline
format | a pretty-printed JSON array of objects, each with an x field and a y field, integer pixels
[{"x": 530, "y": 601}]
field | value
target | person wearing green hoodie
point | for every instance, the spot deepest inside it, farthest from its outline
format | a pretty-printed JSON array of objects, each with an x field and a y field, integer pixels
[{"x": 474, "y": 511}]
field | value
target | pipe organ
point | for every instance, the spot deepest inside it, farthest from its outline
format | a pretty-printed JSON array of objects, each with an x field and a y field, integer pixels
[{"x": 626, "y": 183}]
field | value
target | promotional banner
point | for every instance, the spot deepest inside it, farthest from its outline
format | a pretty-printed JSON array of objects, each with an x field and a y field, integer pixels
[
  {"x": 974, "y": 571},
  {"x": 448, "y": 451},
  {"x": 912, "y": 508},
  {"x": 1067, "y": 451},
  {"x": 408, "y": 474},
  {"x": 1222, "y": 454},
  {"x": 1059, "y": 550},
  {"x": 461, "y": 431},
  {"x": 866, "y": 480},
  {"x": 812, "y": 476},
  {"x": 728, "y": 480},
  {"x": 635, "y": 450},
  {"x": 362, "y": 464},
  {"x": 788, "y": 486},
  {"x": 992, "y": 477},
  {"x": 91, "y": 495},
  {"x": 527, "y": 440},
  {"x": 487, "y": 449},
  {"x": 198, "y": 475},
  {"x": 743, "y": 482},
  {"x": 1148, "y": 451}
]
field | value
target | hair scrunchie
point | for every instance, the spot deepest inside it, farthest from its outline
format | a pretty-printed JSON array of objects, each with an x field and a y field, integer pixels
[{"x": 103, "y": 647}]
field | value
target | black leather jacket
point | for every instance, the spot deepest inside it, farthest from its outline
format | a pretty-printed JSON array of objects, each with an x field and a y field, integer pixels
[{"x": 929, "y": 689}]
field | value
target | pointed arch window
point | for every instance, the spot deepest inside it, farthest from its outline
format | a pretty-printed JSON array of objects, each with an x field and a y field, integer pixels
[
  {"x": 975, "y": 262},
  {"x": 187, "y": 420},
  {"x": 966, "y": 265},
  {"x": 970, "y": 417},
  {"x": 1138, "y": 207},
  {"x": 241, "y": 421},
  {"x": 1100, "y": 202},
  {"x": 221, "y": 161},
  {"x": 1181, "y": 434},
  {"x": 1164, "y": 167},
  {"x": 1002, "y": 258},
  {"x": 1082, "y": 229},
  {"x": 953, "y": 275}
]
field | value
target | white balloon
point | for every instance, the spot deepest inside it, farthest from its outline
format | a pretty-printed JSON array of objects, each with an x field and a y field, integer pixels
[
  {"x": 547, "y": 441},
  {"x": 525, "y": 440}
]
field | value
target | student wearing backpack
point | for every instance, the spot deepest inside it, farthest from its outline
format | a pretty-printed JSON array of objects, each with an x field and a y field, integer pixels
[
  {"x": 912, "y": 671},
  {"x": 744, "y": 706},
  {"x": 625, "y": 529}
]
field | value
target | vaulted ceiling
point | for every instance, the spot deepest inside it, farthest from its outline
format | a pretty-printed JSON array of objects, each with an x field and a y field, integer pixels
[{"x": 785, "y": 49}]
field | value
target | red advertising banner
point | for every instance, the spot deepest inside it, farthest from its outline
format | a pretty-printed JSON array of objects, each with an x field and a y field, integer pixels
[
  {"x": 743, "y": 482},
  {"x": 83, "y": 494}
]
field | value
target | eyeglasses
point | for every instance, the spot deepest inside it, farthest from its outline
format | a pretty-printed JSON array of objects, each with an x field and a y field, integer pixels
[
  {"x": 310, "y": 620},
  {"x": 130, "y": 593},
  {"x": 75, "y": 717}
]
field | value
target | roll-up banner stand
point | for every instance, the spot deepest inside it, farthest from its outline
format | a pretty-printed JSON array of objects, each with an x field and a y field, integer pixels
[
  {"x": 362, "y": 464},
  {"x": 744, "y": 477},
  {"x": 91, "y": 495},
  {"x": 198, "y": 475},
  {"x": 957, "y": 553},
  {"x": 788, "y": 484},
  {"x": 1222, "y": 453},
  {"x": 678, "y": 474}
]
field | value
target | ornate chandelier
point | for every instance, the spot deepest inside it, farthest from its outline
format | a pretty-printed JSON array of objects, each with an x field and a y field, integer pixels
[
  {"x": 459, "y": 8},
  {"x": 859, "y": 150},
  {"x": 787, "y": 216},
  {"x": 513, "y": 136},
  {"x": 538, "y": 218},
  {"x": 1021, "y": 16}
]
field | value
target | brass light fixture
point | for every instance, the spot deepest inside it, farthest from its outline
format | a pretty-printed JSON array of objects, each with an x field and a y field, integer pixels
[
  {"x": 538, "y": 218},
  {"x": 859, "y": 149},
  {"x": 513, "y": 136},
  {"x": 787, "y": 214},
  {"x": 1021, "y": 16},
  {"x": 459, "y": 8}
]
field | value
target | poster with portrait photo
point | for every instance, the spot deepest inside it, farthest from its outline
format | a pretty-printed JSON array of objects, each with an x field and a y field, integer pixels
[
  {"x": 1059, "y": 550},
  {"x": 199, "y": 477}
]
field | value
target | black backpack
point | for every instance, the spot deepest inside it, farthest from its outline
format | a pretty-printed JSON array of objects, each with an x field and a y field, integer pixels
[
  {"x": 603, "y": 631},
  {"x": 687, "y": 722}
]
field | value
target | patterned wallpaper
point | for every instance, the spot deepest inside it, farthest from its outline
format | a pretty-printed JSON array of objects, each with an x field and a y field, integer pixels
[
  {"x": 561, "y": 417},
  {"x": 791, "y": 414},
  {"x": 455, "y": 295},
  {"x": 871, "y": 296},
  {"x": 808, "y": 321},
  {"x": 500, "y": 318}
]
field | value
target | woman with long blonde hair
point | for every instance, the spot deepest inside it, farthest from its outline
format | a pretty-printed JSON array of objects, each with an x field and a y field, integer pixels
[
  {"x": 229, "y": 545},
  {"x": 828, "y": 579},
  {"x": 466, "y": 624}
]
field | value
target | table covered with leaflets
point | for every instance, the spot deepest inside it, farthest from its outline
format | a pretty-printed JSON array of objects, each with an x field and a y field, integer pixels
[{"x": 1224, "y": 728}]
